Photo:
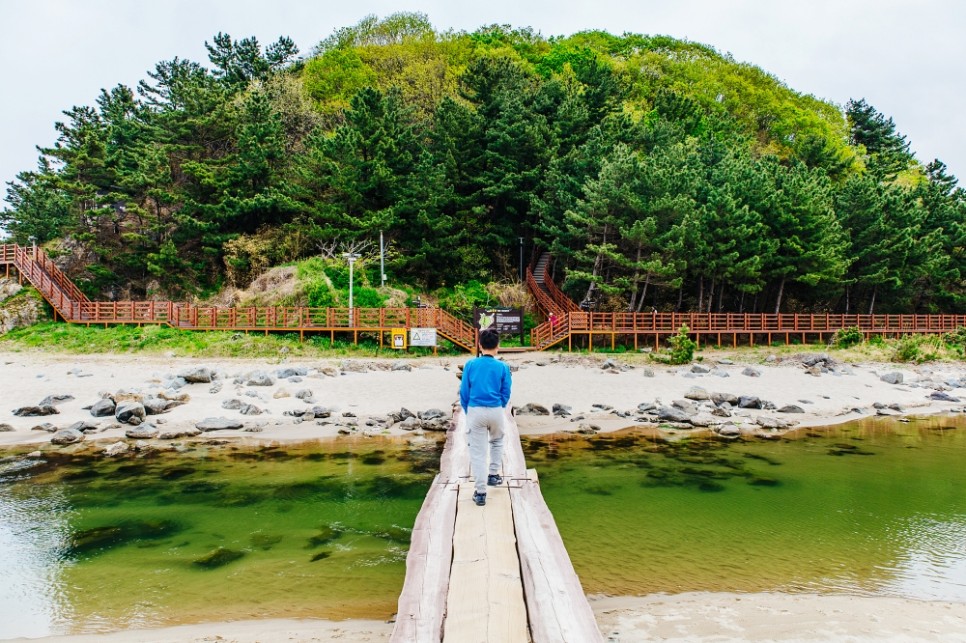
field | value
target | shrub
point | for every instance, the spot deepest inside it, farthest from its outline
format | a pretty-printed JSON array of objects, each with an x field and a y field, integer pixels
[
  {"x": 681, "y": 348},
  {"x": 907, "y": 349},
  {"x": 846, "y": 337}
]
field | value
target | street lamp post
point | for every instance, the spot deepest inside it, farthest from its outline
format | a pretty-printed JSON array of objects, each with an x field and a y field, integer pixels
[
  {"x": 351, "y": 258},
  {"x": 521, "y": 259}
]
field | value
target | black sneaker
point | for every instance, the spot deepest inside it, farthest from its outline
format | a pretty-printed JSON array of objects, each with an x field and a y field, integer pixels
[
  {"x": 479, "y": 498},
  {"x": 494, "y": 480}
]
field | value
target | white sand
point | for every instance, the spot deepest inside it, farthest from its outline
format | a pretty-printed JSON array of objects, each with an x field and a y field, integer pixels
[{"x": 26, "y": 378}]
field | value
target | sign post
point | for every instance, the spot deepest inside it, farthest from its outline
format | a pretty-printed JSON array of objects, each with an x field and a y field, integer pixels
[{"x": 505, "y": 321}]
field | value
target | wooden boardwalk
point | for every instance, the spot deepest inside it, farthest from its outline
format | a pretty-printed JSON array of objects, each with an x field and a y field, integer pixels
[
  {"x": 493, "y": 573},
  {"x": 572, "y": 327}
]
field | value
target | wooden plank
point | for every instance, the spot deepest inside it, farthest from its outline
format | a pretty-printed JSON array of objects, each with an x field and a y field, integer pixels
[
  {"x": 485, "y": 601},
  {"x": 558, "y": 608},
  {"x": 420, "y": 613}
]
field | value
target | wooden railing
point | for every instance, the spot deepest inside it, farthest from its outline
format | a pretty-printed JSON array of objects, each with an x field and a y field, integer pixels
[
  {"x": 760, "y": 323},
  {"x": 562, "y": 300},
  {"x": 74, "y": 306},
  {"x": 545, "y": 303}
]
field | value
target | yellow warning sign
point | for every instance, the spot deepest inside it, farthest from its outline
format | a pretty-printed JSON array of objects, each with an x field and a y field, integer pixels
[{"x": 399, "y": 338}]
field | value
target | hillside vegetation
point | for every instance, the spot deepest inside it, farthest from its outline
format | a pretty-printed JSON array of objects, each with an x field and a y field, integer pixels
[{"x": 659, "y": 172}]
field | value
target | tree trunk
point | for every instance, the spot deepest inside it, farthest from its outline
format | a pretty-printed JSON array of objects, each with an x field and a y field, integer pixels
[
  {"x": 721, "y": 297},
  {"x": 677, "y": 309},
  {"x": 700, "y": 294},
  {"x": 872, "y": 303},
  {"x": 781, "y": 292},
  {"x": 640, "y": 303},
  {"x": 848, "y": 303}
]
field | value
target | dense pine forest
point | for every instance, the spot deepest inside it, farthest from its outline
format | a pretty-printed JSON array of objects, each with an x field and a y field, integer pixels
[{"x": 660, "y": 173}]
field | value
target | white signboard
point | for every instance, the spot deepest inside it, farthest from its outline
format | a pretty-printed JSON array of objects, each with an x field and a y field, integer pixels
[{"x": 422, "y": 336}]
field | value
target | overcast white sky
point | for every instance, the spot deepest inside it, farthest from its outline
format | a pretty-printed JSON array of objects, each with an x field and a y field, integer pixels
[{"x": 907, "y": 58}]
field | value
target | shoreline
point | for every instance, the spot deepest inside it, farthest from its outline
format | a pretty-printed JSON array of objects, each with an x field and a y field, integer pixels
[
  {"x": 359, "y": 391},
  {"x": 694, "y": 616},
  {"x": 363, "y": 397}
]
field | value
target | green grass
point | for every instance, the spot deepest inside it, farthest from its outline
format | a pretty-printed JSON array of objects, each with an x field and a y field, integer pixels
[{"x": 54, "y": 337}]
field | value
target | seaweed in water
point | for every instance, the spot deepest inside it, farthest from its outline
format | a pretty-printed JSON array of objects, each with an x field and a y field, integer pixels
[
  {"x": 218, "y": 558},
  {"x": 103, "y": 538},
  {"x": 265, "y": 541},
  {"x": 840, "y": 449},
  {"x": 326, "y": 535},
  {"x": 322, "y": 555},
  {"x": 176, "y": 473}
]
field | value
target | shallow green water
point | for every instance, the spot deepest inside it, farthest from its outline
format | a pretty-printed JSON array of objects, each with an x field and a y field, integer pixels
[
  {"x": 221, "y": 533},
  {"x": 873, "y": 508}
]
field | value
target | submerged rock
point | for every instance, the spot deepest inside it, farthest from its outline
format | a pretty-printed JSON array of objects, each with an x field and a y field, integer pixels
[{"x": 218, "y": 558}]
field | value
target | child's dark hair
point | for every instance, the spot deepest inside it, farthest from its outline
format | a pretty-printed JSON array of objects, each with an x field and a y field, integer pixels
[{"x": 489, "y": 339}]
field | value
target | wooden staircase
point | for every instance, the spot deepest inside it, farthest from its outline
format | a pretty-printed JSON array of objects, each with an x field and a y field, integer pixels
[{"x": 551, "y": 301}]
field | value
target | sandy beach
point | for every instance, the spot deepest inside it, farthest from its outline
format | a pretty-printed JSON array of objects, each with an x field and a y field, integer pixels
[{"x": 603, "y": 394}]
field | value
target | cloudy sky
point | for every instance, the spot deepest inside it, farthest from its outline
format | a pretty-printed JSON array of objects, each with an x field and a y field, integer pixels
[{"x": 907, "y": 58}]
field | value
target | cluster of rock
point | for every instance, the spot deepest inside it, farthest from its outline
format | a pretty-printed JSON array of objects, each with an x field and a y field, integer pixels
[
  {"x": 133, "y": 409},
  {"x": 726, "y": 414}
]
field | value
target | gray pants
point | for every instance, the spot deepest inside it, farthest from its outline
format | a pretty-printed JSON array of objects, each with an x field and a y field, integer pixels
[{"x": 485, "y": 424}]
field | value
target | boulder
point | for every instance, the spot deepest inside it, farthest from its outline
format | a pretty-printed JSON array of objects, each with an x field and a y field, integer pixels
[
  {"x": 233, "y": 404},
  {"x": 724, "y": 398},
  {"x": 750, "y": 371},
  {"x": 560, "y": 410},
  {"x": 791, "y": 408},
  {"x": 700, "y": 369},
  {"x": 895, "y": 377},
  {"x": 46, "y": 426},
  {"x": 729, "y": 431},
  {"x": 53, "y": 400},
  {"x": 942, "y": 396},
  {"x": 103, "y": 407},
  {"x": 815, "y": 358},
  {"x": 67, "y": 436},
  {"x": 116, "y": 449},
  {"x": 291, "y": 371},
  {"x": 35, "y": 411},
  {"x": 671, "y": 414},
  {"x": 130, "y": 413},
  {"x": 156, "y": 406},
  {"x": 218, "y": 424},
  {"x": 749, "y": 402},
  {"x": 197, "y": 375},
  {"x": 259, "y": 378},
  {"x": 644, "y": 407},
  {"x": 84, "y": 426},
  {"x": 402, "y": 366},
  {"x": 176, "y": 433},
  {"x": 532, "y": 409},
  {"x": 304, "y": 394},
  {"x": 250, "y": 409},
  {"x": 697, "y": 393},
  {"x": 430, "y": 414},
  {"x": 145, "y": 431},
  {"x": 6, "y": 428},
  {"x": 702, "y": 420}
]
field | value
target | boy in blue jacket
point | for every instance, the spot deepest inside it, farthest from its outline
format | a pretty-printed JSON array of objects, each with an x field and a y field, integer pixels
[{"x": 484, "y": 393}]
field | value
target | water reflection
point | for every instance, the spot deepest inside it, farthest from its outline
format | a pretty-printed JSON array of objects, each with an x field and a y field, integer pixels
[
  {"x": 90, "y": 544},
  {"x": 872, "y": 508},
  {"x": 33, "y": 531}
]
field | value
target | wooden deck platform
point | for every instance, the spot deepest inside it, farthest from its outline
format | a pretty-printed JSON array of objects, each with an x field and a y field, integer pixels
[{"x": 493, "y": 573}]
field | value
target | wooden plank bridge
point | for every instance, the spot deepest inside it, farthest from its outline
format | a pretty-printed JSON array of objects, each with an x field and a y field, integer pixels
[
  {"x": 572, "y": 327},
  {"x": 493, "y": 573}
]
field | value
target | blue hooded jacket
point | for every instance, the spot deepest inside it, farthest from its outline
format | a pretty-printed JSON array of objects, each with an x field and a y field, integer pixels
[{"x": 486, "y": 382}]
